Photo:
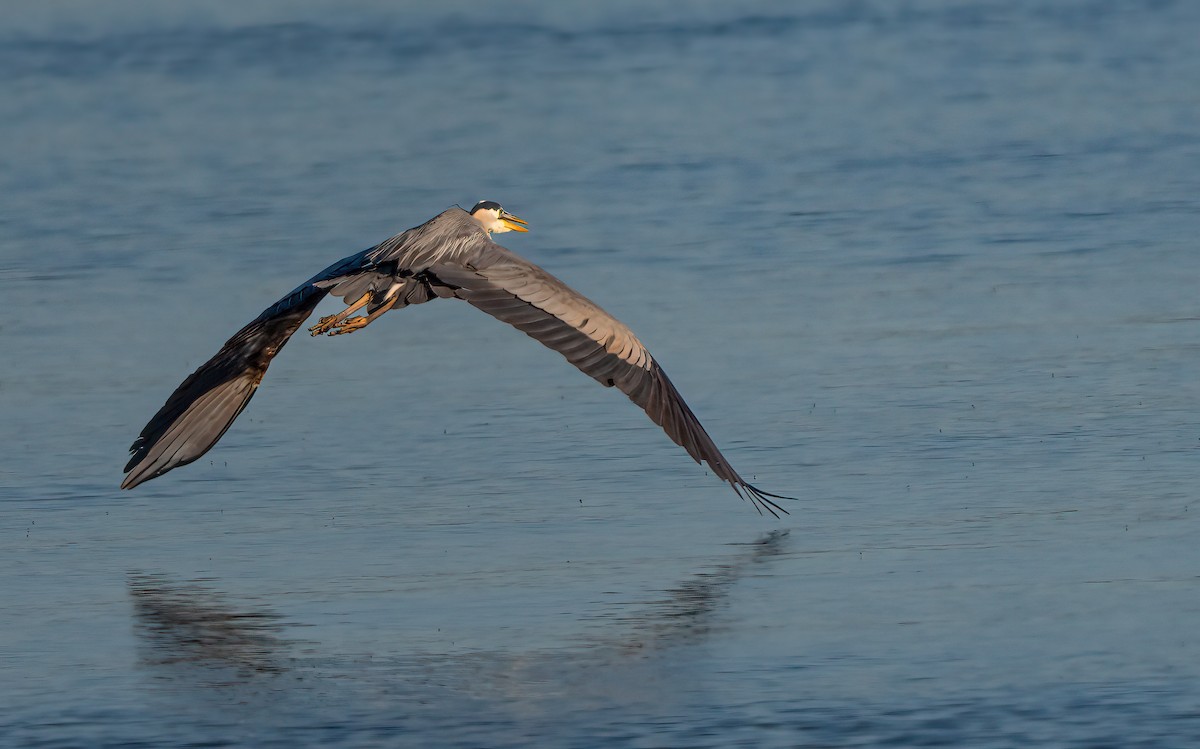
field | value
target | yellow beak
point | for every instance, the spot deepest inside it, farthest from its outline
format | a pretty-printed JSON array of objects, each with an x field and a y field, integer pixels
[{"x": 512, "y": 222}]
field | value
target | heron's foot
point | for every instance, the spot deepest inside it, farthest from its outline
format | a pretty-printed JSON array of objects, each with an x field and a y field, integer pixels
[
  {"x": 324, "y": 324},
  {"x": 349, "y": 325}
]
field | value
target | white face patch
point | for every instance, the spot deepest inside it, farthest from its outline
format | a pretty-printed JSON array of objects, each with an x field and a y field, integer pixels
[{"x": 489, "y": 219}]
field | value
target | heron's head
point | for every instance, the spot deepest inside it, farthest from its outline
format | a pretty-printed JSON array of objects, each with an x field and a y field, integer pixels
[{"x": 492, "y": 216}]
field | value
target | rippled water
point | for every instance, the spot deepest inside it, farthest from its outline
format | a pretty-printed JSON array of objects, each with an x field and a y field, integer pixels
[{"x": 930, "y": 267}]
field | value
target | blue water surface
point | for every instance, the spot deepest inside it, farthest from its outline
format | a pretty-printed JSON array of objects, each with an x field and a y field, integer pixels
[{"x": 928, "y": 267}]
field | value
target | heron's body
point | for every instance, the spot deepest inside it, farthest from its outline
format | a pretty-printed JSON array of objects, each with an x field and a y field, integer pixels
[{"x": 450, "y": 256}]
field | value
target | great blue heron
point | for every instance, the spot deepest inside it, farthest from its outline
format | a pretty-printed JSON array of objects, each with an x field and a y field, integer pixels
[{"x": 451, "y": 255}]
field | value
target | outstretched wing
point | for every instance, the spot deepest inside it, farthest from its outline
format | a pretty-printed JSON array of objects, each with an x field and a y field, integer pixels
[
  {"x": 520, "y": 293},
  {"x": 207, "y": 402}
]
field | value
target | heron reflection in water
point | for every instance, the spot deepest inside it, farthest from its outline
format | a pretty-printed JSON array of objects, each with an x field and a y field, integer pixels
[
  {"x": 190, "y": 624},
  {"x": 450, "y": 256}
]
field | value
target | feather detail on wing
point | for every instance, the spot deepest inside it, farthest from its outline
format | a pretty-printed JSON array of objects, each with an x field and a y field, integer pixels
[
  {"x": 525, "y": 296},
  {"x": 207, "y": 402},
  {"x": 203, "y": 407}
]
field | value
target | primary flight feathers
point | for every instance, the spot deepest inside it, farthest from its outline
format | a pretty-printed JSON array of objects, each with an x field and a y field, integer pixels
[{"x": 451, "y": 255}]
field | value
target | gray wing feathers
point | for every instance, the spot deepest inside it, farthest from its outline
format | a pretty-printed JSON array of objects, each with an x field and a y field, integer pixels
[
  {"x": 657, "y": 396},
  {"x": 544, "y": 308},
  {"x": 207, "y": 402},
  {"x": 193, "y": 432},
  {"x": 204, "y": 406}
]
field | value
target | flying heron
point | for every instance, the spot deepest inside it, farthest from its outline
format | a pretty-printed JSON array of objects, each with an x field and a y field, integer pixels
[{"x": 450, "y": 256}]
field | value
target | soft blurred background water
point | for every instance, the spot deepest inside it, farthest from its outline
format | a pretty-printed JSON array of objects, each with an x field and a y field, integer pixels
[{"x": 928, "y": 266}]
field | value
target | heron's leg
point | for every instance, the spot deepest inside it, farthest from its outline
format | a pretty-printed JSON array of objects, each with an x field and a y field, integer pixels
[
  {"x": 332, "y": 321},
  {"x": 355, "y": 323}
]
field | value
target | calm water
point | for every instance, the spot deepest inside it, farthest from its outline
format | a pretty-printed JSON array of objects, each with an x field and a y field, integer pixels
[{"x": 930, "y": 267}]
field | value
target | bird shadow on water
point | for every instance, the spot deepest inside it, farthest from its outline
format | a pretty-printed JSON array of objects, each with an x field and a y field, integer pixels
[
  {"x": 687, "y": 614},
  {"x": 189, "y": 631},
  {"x": 190, "y": 634}
]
